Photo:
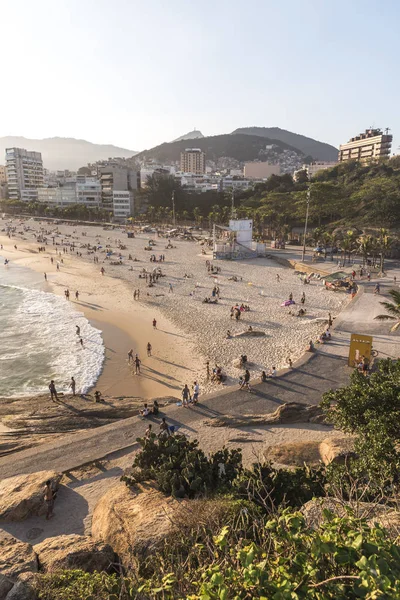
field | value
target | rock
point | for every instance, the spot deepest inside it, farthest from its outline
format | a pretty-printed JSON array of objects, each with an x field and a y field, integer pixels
[
  {"x": 336, "y": 449},
  {"x": 74, "y": 552},
  {"x": 16, "y": 557},
  {"x": 248, "y": 333},
  {"x": 135, "y": 522},
  {"x": 23, "y": 496},
  {"x": 5, "y": 586},
  {"x": 21, "y": 591},
  {"x": 294, "y": 454},
  {"x": 291, "y": 412},
  {"x": 374, "y": 513}
]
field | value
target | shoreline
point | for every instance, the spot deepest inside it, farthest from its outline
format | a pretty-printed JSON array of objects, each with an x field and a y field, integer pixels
[{"x": 121, "y": 328}]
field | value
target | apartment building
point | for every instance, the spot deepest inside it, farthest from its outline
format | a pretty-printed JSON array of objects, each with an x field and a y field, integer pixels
[
  {"x": 260, "y": 170},
  {"x": 122, "y": 204},
  {"x": 3, "y": 175},
  {"x": 115, "y": 178},
  {"x": 193, "y": 160},
  {"x": 24, "y": 174},
  {"x": 84, "y": 190},
  {"x": 367, "y": 147}
]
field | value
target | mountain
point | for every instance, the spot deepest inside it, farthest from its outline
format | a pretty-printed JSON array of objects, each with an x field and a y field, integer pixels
[
  {"x": 64, "y": 153},
  {"x": 310, "y": 147},
  {"x": 192, "y": 135},
  {"x": 239, "y": 146}
]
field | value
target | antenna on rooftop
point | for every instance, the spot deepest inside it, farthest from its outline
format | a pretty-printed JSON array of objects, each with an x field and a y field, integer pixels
[{"x": 387, "y": 129}]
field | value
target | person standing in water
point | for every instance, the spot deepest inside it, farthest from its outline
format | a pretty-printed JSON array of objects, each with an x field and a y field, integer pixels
[
  {"x": 77, "y": 295},
  {"x": 154, "y": 324},
  {"x": 45, "y": 276},
  {"x": 130, "y": 355},
  {"x": 72, "y": 385}
]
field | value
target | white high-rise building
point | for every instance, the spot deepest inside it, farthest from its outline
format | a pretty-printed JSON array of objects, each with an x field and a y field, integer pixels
[{"x": 24, "y": 174}]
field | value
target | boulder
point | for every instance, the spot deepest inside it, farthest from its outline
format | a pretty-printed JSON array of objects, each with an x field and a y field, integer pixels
[
  {"x": 5, "y": 586},
  {"x": 294, "y": 454},
  {"x": 74, "y": 552},
  {"x": 22, "y": 496},
  {"x": 374, "y": 513},
  {"x": 290, "y": 412},
  {"x": 16, "y": 557},
  {"x": 21, "y": 591},
  {"x": 336, "y": 449},
  {"x": 134, "y": 521},
  {"x": 137, "y": 521}
]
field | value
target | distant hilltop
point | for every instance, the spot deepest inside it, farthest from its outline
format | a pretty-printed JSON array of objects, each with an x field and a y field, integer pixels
[
  {"x": 192, "y": 135},
  {"x": 64, "y": 153}
]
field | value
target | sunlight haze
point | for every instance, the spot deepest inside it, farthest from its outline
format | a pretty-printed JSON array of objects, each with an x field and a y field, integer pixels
[{"x": 136, "y": 74}]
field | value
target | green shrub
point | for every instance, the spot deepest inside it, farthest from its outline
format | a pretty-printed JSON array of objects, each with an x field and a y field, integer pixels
[
  {"x": 181, "y": 469},
  {"x": 79, "y": 585},
  {"x": 271, "y": 488}
]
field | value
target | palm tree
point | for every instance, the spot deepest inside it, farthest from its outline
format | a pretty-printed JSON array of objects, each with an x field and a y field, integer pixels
[{"x": 393, "y": 309}]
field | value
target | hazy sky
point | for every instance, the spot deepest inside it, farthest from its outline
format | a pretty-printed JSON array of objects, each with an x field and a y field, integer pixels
[{"x": 136, "y": 74}]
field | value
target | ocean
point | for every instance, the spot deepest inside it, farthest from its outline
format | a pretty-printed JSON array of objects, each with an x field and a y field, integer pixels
[{"x": 38, "y": 340}]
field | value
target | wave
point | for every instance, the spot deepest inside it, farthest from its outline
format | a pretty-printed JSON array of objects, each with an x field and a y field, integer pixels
[{"x": 38, "y": 342}]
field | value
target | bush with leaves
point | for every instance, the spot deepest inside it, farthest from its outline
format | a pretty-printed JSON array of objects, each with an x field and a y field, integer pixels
[
  {"x": 369, "y": 408},
  {"x": 344, "y": 559},
  {"x": 179, "y": 468},
  {"x": 271, "y": 488},
  {"x": 79, "y": 585}
]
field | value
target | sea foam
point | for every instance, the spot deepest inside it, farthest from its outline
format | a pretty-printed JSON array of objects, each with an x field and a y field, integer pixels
[{"x": 38, "y": 342}]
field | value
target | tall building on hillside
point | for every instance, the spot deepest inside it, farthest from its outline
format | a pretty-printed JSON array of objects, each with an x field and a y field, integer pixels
[
  {"x": 193, "y": 160},
  {"x": 3, "y": 174},
  {"x": 24, "y": 174},
  {"x": 260, "y": 170},
  {"x": 367, "y": 147}
]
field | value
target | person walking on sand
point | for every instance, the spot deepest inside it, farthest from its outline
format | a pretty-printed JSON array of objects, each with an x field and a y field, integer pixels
[
  {"x": 77, "y": 295},
  {"x": 49, "y": 499},
  {"x": 81, "y": 342},
  {"x": 154, "y": 324},
  {"x": 45, "y": 276},
  {"x": 134, "y": 294},
  {"x": 53, "y": 390},
  {"x": 72, "y": 385},
  {"x": 303, "y": 298},
  {"x": 102, "y": 270},
  {"x": 278, "y": 277},
  {"x": 185, "y": 396},
  {"x": 148, "y": 349},
  {"x": 137, "y": 365},
  {"x": 78, "y": 330},
  {"x": 170, "y": 291},
  {"x": 130, "y": 355}
]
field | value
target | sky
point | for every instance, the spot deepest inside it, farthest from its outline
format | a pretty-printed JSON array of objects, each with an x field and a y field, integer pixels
[{"x": 136, "y": 74}]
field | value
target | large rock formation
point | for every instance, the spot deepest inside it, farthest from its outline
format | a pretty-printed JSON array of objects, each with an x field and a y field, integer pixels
[
  {"x": 290, "y": 412},
  {"x": 16, "y": 557},
  {"x": 74, "y": 552},
  {"x": 336, "y": 449},
  {"x": 21, "y": 591},
  {"x": 137, "y": 521},
  {"x": 134, "y": 522},
  {"x": 22, "y": 496},
  {"x": 5, "y": 586}
]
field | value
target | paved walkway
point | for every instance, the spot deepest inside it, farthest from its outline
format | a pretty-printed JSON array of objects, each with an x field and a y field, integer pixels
[{"x": 314, "y": 375}]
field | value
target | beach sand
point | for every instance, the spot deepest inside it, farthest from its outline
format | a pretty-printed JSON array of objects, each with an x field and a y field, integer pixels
[{"x": 189, "y": 332}]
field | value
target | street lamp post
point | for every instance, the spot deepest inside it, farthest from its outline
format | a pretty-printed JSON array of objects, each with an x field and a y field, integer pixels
[
  {"x": 305, "y": 226},
  {"x": 173, "y": 208}
]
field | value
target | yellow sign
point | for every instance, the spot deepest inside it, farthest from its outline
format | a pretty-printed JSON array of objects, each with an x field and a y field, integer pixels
[{"x": 360, "y": 345}]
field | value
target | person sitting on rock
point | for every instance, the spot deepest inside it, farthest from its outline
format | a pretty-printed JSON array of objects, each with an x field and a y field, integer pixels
[{"x": 145, "y": 411}]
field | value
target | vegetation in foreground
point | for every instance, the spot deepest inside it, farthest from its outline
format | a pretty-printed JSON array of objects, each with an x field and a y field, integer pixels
[{"x": 264, "y": 548}]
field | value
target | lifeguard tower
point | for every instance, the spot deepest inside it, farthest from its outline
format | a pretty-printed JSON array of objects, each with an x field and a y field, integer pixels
[{"x": 236, "y": 241}]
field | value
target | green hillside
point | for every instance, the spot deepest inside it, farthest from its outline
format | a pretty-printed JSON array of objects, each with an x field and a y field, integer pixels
[
  {"x": 239, "y": 146},
  {"x": 318, "y": 150}
]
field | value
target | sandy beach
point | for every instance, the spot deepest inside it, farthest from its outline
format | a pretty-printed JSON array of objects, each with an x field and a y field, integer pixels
[{"x": 188, "y": 332}]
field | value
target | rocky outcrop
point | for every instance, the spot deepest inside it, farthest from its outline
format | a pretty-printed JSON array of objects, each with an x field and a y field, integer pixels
[
  {"x": 290, "y": 412},
  {"x": 5, "y": 586},
  {"x": 16, "y": 557},
  {"x": 293, "y": 454},
  {"x": 74, "y": 552},
  {"x": 336, "y": 449},
  {"x": 21, "y": 591},
  {"x": 135, "y": 522},
  {"x": 372, "y": 512},
  {"x": 22, "y": 496}
]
